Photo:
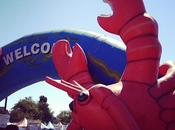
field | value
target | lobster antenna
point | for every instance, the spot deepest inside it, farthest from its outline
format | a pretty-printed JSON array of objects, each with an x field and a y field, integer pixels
[{"x": 69, "y": 88}]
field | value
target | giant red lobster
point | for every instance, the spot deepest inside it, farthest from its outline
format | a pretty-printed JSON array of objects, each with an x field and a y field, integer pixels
[{"x": 139, "y": 100}]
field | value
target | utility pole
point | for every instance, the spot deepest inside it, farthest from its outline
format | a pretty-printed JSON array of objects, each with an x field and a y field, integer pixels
[{"x": 5, "y": 105}]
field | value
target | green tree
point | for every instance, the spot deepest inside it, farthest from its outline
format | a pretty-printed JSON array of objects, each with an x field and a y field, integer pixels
[
  {"x": 43, "y": 99},
  {"x": 45, "y": 113},
  {"x": 24, "y": 108},
  {"x": 65, "y": 117},
  {"x": 32, "y": 110}
]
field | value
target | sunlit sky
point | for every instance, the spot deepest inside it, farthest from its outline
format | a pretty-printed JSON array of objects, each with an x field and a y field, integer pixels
[{"x": 22, "y": 17}]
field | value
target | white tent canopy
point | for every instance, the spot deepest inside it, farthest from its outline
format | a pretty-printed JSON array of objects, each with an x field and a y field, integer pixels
[
  {"x": 44, "y": 126},
  {"x": 22, "y": 123},
  {"x": 50, "y": 126}
]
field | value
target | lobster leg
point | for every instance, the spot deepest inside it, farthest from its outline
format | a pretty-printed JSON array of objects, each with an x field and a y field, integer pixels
[{"x": 119, "y": 113}]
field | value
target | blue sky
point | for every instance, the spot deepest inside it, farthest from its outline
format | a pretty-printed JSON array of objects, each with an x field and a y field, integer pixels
[{"x": 19, "y": 18}]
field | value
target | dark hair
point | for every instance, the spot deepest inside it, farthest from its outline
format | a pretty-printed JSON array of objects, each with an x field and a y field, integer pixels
[{"x": 11, "y": 127}]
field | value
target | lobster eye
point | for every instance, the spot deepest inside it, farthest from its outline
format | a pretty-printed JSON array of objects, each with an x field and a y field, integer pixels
[{"x": 82, "y": 97}]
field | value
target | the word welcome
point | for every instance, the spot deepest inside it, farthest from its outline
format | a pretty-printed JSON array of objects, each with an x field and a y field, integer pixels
[{"x": 17, "y": 54}]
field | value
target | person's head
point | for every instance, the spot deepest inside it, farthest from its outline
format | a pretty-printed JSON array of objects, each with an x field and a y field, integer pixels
[{"x": 11, "y": 127}]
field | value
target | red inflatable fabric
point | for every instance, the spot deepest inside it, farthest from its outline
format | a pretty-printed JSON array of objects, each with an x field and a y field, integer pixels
[{"x": 139, "y": 100}]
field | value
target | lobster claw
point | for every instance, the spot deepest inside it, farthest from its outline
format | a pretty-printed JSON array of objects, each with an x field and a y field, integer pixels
[
  {"x": 70, "y": 65},
  {"x": 122, "y": 14},
  {"x": 163, "y": 69}
]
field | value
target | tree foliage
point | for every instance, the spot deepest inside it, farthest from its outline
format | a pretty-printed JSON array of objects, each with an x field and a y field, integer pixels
[
  {"x": 45, "y": 113},
  {"x": 65, "y": 117},
  {"x": 43, "y": 99},
  {"x": 24, "y": 108},
  {"x": 32, "y": 110}
]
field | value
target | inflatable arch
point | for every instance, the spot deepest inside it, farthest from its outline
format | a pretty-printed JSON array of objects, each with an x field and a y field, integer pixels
[{"x": 28, "y": 59}]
